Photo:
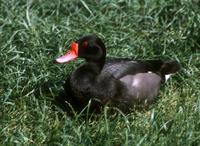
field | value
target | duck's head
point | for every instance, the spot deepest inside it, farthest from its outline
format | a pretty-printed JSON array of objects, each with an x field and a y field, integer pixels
[{"x": 89, "y": 47}]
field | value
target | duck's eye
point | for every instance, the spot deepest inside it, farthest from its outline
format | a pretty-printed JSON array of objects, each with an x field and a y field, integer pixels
[{"x": 85, "y": 44}]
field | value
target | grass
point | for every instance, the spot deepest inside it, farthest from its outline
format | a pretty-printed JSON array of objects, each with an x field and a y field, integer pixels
[{"x": 33, "y": 33}]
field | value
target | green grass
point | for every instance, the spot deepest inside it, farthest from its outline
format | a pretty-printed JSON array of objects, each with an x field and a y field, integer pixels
[{"x": 33, "y": 33}]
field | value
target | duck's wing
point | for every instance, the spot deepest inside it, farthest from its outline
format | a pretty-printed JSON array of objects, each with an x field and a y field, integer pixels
[{"x": 120, "y": 67}]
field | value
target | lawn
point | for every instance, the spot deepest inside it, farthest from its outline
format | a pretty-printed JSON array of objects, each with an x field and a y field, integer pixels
[{"x": 34, "y": 32}]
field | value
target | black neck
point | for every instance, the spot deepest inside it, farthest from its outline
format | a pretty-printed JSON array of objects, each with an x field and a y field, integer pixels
[
  {"x": 97, "y": 64},
  {"x": 95, "y": 67}
]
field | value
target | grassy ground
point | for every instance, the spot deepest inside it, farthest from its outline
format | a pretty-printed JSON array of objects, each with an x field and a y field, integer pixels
[{"x": 33, "y": 33}]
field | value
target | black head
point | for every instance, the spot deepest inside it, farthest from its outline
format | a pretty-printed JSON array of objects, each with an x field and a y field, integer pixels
[{"x": 89, "y": 47}]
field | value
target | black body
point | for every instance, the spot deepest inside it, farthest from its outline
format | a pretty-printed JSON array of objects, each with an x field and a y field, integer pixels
[{"x": 121, "y": 83}]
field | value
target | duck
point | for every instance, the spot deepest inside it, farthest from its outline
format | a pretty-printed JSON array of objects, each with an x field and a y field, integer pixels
[{"x": 117, "y": 82}]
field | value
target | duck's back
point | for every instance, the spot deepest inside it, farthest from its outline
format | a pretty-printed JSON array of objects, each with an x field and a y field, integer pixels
[{"x": 122, "y": 67}]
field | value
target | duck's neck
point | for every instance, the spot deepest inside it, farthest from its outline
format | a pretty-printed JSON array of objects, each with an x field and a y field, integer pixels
[{"x": 96, "y": 65}]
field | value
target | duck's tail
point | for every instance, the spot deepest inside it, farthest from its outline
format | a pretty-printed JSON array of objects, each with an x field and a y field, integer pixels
[
  {"x": 170, "y": 67},
  {"x": 165, "y": 68}
]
